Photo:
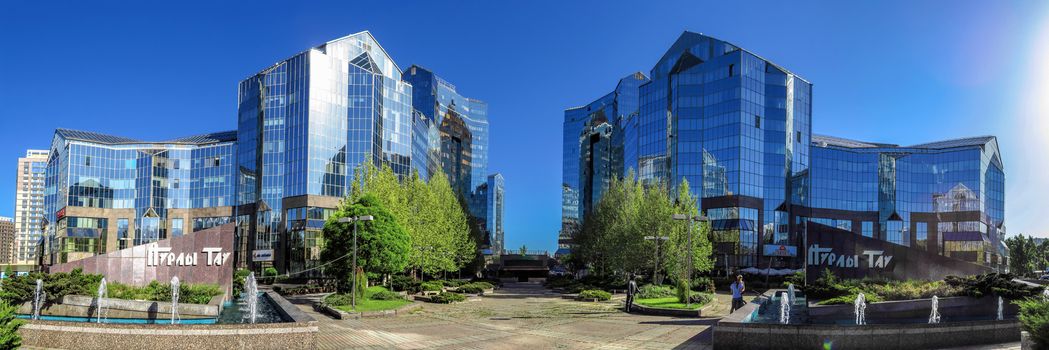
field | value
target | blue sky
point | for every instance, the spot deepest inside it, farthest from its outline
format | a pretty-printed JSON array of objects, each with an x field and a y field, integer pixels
[{"x": 900, "y": 72}]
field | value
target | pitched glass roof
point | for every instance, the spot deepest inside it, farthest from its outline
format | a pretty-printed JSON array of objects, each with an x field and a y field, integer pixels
[{"x": 88, "y": 136}]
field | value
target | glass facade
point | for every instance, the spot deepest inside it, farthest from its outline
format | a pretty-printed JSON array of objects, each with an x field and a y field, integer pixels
[
  {"x": 496, "y": 208},
  {"x": 600, "y": 142},
  {"x": 145, "y": 188},
  {"x": 451, "y": 133},
  {"x": 738, "y": 128},
  {"x": 732, "y": 124},
  {"x": 943, "y": 197}
]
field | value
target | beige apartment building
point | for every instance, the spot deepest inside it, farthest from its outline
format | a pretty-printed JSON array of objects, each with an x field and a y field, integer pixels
[{"x": 29, "y": 206}]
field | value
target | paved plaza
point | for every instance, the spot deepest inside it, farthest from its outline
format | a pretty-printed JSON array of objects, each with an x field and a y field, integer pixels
[{"x": 518, "y": 316}]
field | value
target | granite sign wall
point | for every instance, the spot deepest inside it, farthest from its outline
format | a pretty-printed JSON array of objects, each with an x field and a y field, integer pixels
[
  {"x": 195, "y": 258},
  {"x": 849, "y": 255}
]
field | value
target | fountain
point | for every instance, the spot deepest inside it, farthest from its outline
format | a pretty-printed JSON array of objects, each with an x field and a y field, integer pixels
[
  {"x": 934, "y": 316},
  {"x": 860, "y": 306},
  {"x": 790, "y": 292},
  {"x": 175, "y": 318},
  {"x": 103, "y": 294},
  {"x": 251, "y": 296},
  {"x": 38, "y": 299},
  {"x": 784, "y": 308},
  {"x": 1000, "y": 308}
]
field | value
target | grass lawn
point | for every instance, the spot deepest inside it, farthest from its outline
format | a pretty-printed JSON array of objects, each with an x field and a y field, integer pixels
[
  {"x": 667, "y": 303},
  {"x": 367, "y": 304}
]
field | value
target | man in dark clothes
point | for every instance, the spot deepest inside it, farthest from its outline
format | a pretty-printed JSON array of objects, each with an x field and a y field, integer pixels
[{"x": 631, "y": 289}]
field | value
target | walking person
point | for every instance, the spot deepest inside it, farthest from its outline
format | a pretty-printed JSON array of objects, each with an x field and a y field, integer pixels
[
  {"x": 631, "y": 289},
  {"x": 737, "y": 288}
]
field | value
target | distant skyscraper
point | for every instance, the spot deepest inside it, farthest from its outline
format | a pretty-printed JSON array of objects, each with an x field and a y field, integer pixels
[
  {"x": 29, "y": 205},
  {"x": 462, "y": 126},
  {"x": 495, "y": 204},
  {"x": 7, "y": 240}
]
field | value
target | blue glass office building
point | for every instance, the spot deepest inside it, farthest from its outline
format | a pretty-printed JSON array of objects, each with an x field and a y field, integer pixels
[
  {"x": 303, "y": 125},
  {"x": 103, "y": 193},
  {"x": 738, "y": 128},
  {"x": 460, "y": 125},
  {"x": 943, "y": 197}
]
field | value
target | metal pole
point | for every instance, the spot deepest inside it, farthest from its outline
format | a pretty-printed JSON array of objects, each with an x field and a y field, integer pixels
[
  {"x": 688, "y": 298},
  {"x": 805, "y": 250},
  {"x": 655, "y": 270},
  {"x": 353, "y": 293}
]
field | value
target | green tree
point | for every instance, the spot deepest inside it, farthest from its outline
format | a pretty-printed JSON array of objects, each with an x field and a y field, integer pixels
[
  {"x": 677, "y": 252},
  {"x": 431, "y": 213},
  {"x": 383, "y": 246},
  {"x": 9, "y": 324},
  {"x": 523, "y": 250},
  {"x": 1021, "y": 255}
]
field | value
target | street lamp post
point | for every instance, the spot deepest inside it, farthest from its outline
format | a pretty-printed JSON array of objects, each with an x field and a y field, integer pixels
[
  {"x": 354, "y": 220},
  {"x": 689, "y": 219}
]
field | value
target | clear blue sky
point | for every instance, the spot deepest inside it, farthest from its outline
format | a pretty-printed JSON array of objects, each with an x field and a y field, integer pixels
[{"x": 891, "y": 71}]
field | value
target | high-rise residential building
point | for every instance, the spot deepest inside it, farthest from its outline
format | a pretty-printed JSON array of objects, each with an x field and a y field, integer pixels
[
  {"x": 29, "y": 205},
  {"x": 7, "y": 240},
  {"x": 496, "y": 209},
  {"x": 104, "y": 193},
  {"x": 738, "y": 128}
]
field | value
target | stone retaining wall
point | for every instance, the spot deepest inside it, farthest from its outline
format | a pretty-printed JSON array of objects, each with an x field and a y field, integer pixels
[
  {"x": 300, "y": 333},
  {"x": 731, "y": 332},
  {"x": 734, "y": 335},
  {"x": 90, "y": 336}
]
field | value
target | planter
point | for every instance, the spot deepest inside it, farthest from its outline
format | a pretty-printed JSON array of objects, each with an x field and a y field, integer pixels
[
  {"x": 1026, "y": 342},
  {"x": 659, "y": 311}
]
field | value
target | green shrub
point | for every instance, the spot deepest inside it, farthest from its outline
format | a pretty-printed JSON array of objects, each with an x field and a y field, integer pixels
[
  {"x": 339, "y": 299},
  {"x": 1000, "y": 284},
  {"x": 703, "y": 284},
  {"x": 797, "y": 279},
  {"x": 850, "y": 299},
  {"x": 238, "y": 280},
  {"x": 447, "y": 298},
  {"x": 700, "y": 298},
  {"x": 431, "y": 287},
  {"x": 269, "y": 272},
  {"x": 1034, "y": 318},
  {"x": 912, "y": 289},
  {"x": 559, "y": 281},
  {"x": 405, "y": 284},
  {"x": 9, "y": 324},
  {"x": 385, "y": 295},
  {"x": 483, "y": 285},
  {"x": 453, "y": 283},
  {"x": 651, "y": 291},
  {"x": 156, "y": 291},
  {"x": 595, "y": 294}
]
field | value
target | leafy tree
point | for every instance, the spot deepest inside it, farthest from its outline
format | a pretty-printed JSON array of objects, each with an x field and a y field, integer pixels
[
  {"x": 523, "y": 250},
  {"x": 383, "y": 245},
  {"x": 677, "y": 250},
  {"x": 1022, "y": 255},
  {"x": 611, "y": 241},
  {"x": 9, "y": 324},
  {"x": 432, "y": 214}
]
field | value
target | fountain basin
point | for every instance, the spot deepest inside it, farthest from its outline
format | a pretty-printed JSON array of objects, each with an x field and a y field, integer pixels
[
  {"x": 738, "y": 330},
  {"x": 299, "y": 331},
  {"x": 72, "y": 308}
]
